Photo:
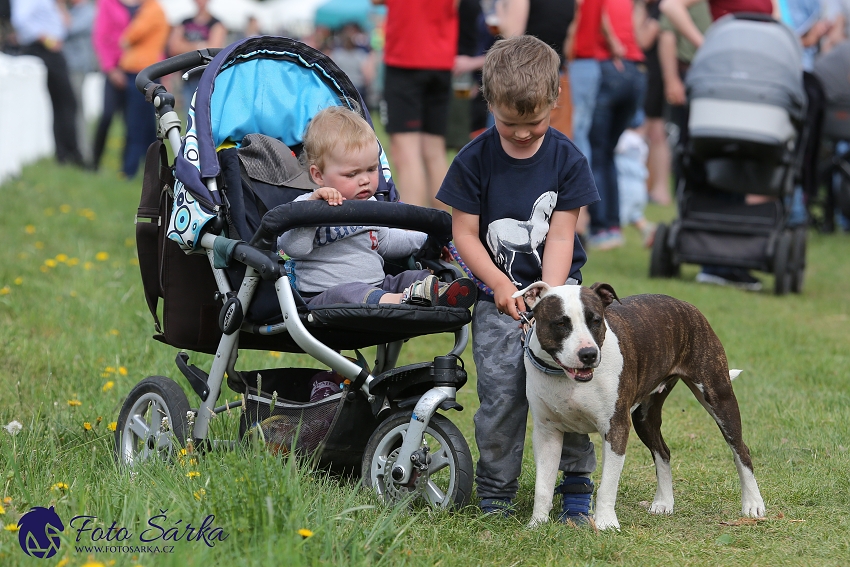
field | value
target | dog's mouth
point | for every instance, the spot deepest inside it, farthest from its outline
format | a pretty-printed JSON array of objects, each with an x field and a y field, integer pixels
[{"x": 577, "y": 374}]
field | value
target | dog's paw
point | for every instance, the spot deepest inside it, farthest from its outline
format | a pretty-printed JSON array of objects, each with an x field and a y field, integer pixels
[
  {"x": 605, "y": 521},
  {"x": 660, "y": 507},
  {"x": 537, "y": 521},
  {"x": 754, "y": 508}
]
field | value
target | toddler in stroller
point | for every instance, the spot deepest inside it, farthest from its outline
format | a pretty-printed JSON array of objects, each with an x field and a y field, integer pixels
[
  {"x": 745, "y": 137},
  {"x": 230, "y": 184}
]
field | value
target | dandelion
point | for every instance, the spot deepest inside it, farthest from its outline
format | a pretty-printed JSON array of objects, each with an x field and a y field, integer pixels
[
  {"x": 193, "y": 474},
  {"x": 13, "y": 427},
  {"x": 129, "y": 242},
  {"x": 101, "y": 256},
  {"x": 11, "y": 527},
  {"x": 92, "y": 563},
  {"x": 114, "y": 333},
  {"x": 39, "y": 245},
  {"x": 29, "y": 229},
  {"x": 44, "y": 269},
  {"x": 5, "y": 290},
  {"x": 61, "y": 485},
  {"x": 7, "y": 501},
  {"x": 62, "y": 562},
  {"x": 88, "y": 213},
  {"x": 305, "y": 533},
  {"x": 65, "y": 208},
  {"x": 73, "y": 261},
  {"x": 113, "y": 425},
  {"x": 88, "y": 266},
  {"x": 62, "y": 258},
  {"x": 134, "y": 261},
  {"x": 51, "y": 263},
  {"x": 74, "y": 403},
  {"x": 72, "y": 293},
  {"x": 19, "y": 280},
  {"x": 87, "y": 426},
  {"x": 200, "y": 493},
  {"x": 2, "y": 510},
  {"x": 122, "y": 371}
]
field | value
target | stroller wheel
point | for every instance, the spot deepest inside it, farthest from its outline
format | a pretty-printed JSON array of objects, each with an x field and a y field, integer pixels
[
  {"x": 447, "y": 482},
  {"x": 782, "y": 264},
  {"x": 798, "y": 259},
  {"x": 661, "y": 259},
  {"x": 153, "y": 422}
]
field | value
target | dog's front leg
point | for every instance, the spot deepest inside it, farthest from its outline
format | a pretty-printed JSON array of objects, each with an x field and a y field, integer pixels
[
  {"x": 547, "y": 455},
  {"x": 606, "y": 496}
]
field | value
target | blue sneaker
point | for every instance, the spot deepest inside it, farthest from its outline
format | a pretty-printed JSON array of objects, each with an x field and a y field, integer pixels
[
  {"x": 497, "y": 507},
  {"x": 577, "y": 493}
]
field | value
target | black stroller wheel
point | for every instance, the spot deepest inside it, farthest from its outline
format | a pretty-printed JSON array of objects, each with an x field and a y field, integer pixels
[
  {"x": 661, "y": 260},
  {"x": 447, "y": 483},
  {"x": 782, "y": 264},
  {"x": 153, "y": 422},
  {"x": 798, "y": 259}
]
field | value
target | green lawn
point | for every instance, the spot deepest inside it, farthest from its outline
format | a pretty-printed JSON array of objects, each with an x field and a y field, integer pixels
[{"x": 75, "y": 336}]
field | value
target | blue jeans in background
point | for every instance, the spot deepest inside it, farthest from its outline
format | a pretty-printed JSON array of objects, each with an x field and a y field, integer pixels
[
  {"x": 140, "y": 121},
  {"x": 584, "y": 86}
]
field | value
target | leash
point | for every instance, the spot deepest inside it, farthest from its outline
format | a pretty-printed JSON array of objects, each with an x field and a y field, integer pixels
[
  {"x": 456, "y": 256},
  {"x": 528, "y": 329}
]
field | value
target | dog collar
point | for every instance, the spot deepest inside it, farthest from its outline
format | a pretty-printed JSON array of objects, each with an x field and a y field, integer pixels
[{"x": 537, "y": 362}]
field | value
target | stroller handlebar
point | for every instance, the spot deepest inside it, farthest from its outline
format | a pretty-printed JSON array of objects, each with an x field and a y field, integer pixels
[
  {"x": 434, "y": 222},
  {"x": 172, "y": 65}
]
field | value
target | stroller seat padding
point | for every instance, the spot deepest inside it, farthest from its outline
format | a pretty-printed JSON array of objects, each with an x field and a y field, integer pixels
[
  {"x": 401, "y": 319},
  {"x": 738, "y": 120}
]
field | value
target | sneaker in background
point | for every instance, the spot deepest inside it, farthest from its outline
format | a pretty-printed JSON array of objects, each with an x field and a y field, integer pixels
[
  {"x": 732, "y": 277},
  {"x": 605, "y": 240}
]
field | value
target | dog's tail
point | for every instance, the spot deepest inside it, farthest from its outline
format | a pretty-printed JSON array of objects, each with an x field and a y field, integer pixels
[{"x": 734, "y": 374}]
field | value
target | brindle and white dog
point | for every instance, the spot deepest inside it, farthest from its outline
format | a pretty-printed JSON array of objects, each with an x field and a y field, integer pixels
[{"x": 596, "y": 365}]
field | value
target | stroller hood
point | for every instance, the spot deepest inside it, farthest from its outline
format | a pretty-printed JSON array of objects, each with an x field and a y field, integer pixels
[
  {"x": 833, "y": 71},
  {"x": 749, "y": 60}
]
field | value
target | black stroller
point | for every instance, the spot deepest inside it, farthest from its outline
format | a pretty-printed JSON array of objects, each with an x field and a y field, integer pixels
[
  {"x": 745, "y": 135},
  {"x": 206, "y": 234}
]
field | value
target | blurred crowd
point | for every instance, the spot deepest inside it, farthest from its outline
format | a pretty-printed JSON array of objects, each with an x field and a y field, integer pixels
[{"x": 417, "y": 65}]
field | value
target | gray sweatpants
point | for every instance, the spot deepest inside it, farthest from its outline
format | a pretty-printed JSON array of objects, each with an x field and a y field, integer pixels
[{"x": 500, "y": 421}]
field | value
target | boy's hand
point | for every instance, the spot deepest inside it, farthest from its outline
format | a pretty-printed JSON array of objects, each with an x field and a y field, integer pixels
[
  {"x": 329, "y": 194},
  {"x": 505, "y": 302}
]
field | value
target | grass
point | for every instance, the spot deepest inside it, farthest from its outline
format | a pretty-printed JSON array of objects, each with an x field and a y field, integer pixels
[{"x": 75, "y": 337}]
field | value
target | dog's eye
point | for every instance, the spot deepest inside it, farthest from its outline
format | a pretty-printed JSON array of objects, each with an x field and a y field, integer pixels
[
  {"x": 564, "y": 323},
  {"x": 594, "y": 321}
]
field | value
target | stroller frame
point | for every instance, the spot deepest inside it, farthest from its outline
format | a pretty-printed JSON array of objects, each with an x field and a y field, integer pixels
[{"x": 403, "y": 468}]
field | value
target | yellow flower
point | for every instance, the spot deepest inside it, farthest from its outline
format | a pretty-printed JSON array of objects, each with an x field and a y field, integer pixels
[
  {"x": 50, "y": 263},
  {"x": 11, "y": 527},
  {"x": 134, "y": 261},
  {"x": 44, "y": 269},
  {"x": 7, "y": 501},
  {"x": 62, "y": 562},
  {"x": 74, "y": 403},
  {"x": 73, "y": 293},
  {"x": 2, "y": 510},
  {"x": 129, "y": 242},
  {"x": 274, "y": 353},
  {"x": 109, "y": 369},
  {"x": 61, "y": 485},
  {"x": 108, "y": 386},
  {"x": 65, "y": 208},
  {"x": 62, "y": 258},
  {"x": 193, "y": 474},
  {"x": 5, "y": 290},
  {"x": 114, "y": 333},
  {"x": 198, "y": 494},
  {"x": 19, "y": 280},
  {"x": 305, "y": 533},
  {"x": 101, "y": 256},
  {"x": 29, "y": 229},
  {"x": 92, "y": 563},
  {"x": 99, "y": 419},
  {"x": 183, "y": 452},
  {"x": 39, "y": 245},
  {"x": 73, "y": 261},
  {"x": 88, "y": 266},
  {"x": 113, "y": 425},
  {"x": 87, "y": 426},
  {"x": 122, "y": 371}
]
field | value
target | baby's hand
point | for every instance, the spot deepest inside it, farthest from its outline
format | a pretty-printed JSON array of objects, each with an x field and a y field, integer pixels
[{"x": 329, "y": 194}]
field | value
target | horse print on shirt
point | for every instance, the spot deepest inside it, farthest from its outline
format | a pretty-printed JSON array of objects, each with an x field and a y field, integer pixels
[{"x": 508, "y": 237}]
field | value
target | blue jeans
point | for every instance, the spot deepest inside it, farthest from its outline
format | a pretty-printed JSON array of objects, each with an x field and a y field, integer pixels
[
  {"x": 620, "y": 95},
  {"x": 140, "y": 121},
  {"x": 584, "y": 86}
]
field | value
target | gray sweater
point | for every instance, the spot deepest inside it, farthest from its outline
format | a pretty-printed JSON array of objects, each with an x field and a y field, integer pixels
[{"x": 324, "y": 257}]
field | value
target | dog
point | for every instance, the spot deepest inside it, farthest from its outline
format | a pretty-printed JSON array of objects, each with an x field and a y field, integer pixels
[{"x": 595, "y": 365}]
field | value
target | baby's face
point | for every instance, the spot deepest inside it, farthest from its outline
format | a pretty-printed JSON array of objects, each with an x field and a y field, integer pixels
[{"x": 353, "y": 173}]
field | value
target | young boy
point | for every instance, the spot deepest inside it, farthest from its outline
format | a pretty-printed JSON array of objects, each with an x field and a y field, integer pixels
[
  {"x": 345, "y": 264},
  {"x": 518, "y": 184}
]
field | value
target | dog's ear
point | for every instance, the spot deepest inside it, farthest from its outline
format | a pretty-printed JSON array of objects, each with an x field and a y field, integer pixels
[
  {"x": 605, "y": 292},
  {"x": 533, "y": 293}
]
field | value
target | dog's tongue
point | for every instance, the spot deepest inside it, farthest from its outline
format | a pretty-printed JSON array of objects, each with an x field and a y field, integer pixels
[{"x": 581, "y": 374}]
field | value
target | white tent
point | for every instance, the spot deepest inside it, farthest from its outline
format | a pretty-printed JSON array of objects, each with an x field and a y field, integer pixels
[{"x": 295, "y": 17}]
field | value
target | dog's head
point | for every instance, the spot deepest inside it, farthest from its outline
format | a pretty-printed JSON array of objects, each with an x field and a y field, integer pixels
[{"x": 569, "y": 324}]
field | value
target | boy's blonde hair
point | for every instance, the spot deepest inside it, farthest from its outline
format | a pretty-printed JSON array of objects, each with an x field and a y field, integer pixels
[
  {"x": 521, "y": 73},
  {"x": 332, "y": 126}
]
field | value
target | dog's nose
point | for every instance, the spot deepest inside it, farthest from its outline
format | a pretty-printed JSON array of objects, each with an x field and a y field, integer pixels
[{"x": 587, "y": 355}]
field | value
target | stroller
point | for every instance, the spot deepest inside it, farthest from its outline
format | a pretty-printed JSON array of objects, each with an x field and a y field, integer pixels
[
  {"x": 206, "y": 236},
  {"x": 833, "y": 71},
  {"x": 746, "y": 135}
]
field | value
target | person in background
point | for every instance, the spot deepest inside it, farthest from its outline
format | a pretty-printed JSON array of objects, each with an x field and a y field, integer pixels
[
  {"x": 352, "y": 53},
  {"x": 79, "y": 52},
  {"x": 630, "y": 156},
  {"x": 111, "y": 19},
  {"x": 202, "y": 31},
  {"x": 419, "y": 53},
  {"x": 621, "y": 89},
  {"x": 41, "y": 31}
]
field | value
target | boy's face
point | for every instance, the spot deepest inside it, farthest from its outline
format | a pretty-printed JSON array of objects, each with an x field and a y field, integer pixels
[
  {"x": 521, "y": 134},
  {"x": 354, "y": 173}
]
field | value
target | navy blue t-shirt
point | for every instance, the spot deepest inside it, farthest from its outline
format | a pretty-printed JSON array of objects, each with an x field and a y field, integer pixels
[{"x": 514, "y": 199}]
